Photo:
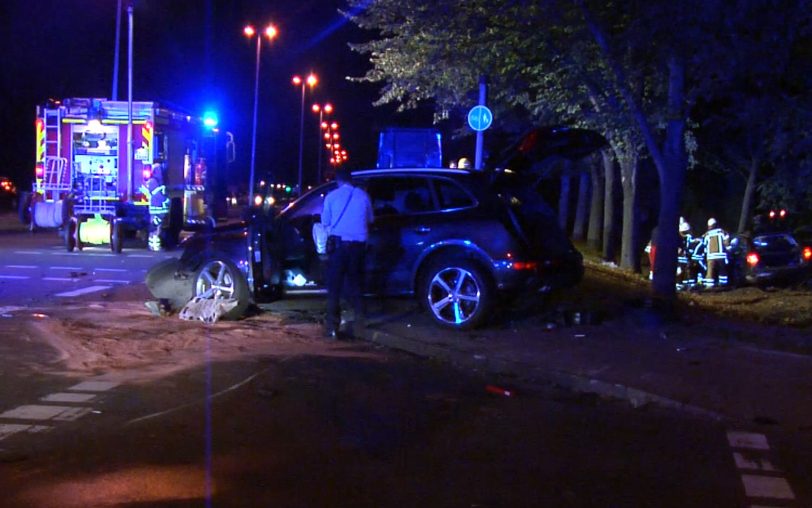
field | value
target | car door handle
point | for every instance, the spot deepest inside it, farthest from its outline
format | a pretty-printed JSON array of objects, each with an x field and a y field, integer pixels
[{"x": 422, "y": 230}]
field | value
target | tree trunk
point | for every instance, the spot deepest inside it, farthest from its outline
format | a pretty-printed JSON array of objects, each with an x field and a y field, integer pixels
[
  {"x": 564, "y": 196},
  {"x": 672, "y": 178},
  {"x": 579, "y": 229},
  {"x": 629, "y": 253},
  {"x": 747, "y": 200},
  {"x": 595, "y": 232},
  {"x": 609, "y": 215}
]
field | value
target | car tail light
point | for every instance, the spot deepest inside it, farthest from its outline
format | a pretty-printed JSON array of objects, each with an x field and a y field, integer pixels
[
  {"x": 524, "y": 265},
  {"x": 752, "y": 259},
  {"x": 807, "y": 253}
]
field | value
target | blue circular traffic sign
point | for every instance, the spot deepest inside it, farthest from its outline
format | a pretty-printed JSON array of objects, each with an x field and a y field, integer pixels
[{"x": 480, "y": 118}]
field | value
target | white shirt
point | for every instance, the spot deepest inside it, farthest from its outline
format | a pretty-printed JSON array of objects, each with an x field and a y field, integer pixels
[{"x": 353, "y": 226}]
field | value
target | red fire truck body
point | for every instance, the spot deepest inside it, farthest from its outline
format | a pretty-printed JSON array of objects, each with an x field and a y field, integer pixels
[{"x": 84, "y": 175}]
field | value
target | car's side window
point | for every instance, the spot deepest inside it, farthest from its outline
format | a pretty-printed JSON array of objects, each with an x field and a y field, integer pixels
[
  {"x": 392, "y": 195},
  {"x": 310, "y": 204},
  {"x": 451, "y": 196}
]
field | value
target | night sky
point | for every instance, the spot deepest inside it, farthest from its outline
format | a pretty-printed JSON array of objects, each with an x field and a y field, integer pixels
[{"x": 192, "y": 54}]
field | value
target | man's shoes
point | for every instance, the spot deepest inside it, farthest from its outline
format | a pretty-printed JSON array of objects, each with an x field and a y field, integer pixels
[{"x": 330, "y": 334}]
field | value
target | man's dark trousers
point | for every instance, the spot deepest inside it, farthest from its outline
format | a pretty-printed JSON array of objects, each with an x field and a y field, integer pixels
[{"x": 344, "y": 277}]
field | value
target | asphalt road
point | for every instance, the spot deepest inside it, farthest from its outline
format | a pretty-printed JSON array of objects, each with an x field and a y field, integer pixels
[
  {"x": 36, "y": 267},
  {"x": 338, "y": 424}
]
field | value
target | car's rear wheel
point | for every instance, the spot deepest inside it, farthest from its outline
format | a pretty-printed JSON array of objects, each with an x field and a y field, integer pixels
[
  {"x": 457, "y": 293},
  {"x": 221, "y": 279}
]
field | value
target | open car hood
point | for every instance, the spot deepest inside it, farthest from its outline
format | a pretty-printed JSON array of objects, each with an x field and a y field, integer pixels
[{"x": 541, "y": 143}]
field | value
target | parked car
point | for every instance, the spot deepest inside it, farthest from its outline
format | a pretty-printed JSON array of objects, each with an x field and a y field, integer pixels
[
  {"x": 458, "y": 240},
  {"x": 771, "y": 257}
]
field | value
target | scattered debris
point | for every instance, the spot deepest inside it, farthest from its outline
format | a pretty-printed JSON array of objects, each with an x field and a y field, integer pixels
[
  {"x": 208, "y": 310},
  {"x": 160, "y": 307},
  {"x": 498, "y": 390}
]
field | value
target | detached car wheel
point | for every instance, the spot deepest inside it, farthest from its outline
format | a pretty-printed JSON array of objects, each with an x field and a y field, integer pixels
[
  {"x": 220, "y": 278},
  {"x": 457, "y": 293}
]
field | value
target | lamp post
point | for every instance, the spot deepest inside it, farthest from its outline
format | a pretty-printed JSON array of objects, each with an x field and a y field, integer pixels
[
  {"x": 321, "y": 110},
  {"x": 270, "y": 33},
  {"x": 130, "y": 100},
  {"x": 310, "y": 81},
  {"x": 114, "y": 95}
]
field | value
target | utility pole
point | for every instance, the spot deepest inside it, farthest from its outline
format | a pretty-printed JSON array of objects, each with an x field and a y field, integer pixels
[
  {"x": 130, "y": 101},
  {"x": 114, "y": 95}
]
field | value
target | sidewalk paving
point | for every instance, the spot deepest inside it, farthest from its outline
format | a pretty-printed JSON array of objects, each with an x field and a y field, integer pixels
[{"x": 636, "y": 357}]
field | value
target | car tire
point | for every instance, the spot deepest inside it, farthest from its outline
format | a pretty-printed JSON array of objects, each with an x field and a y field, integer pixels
[
  {"x": 456, "y": 292},
  {"x": 218, "y": 277},
  {"x": 70, "y": 235},
  {"x": 24, "y": 208},
  {"x": 116, "y": 238}
]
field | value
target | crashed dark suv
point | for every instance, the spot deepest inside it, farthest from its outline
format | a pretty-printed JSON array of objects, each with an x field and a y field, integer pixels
[{"x": 458, "y": 240}]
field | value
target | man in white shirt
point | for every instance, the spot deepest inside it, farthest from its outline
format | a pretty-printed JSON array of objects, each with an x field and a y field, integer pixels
[{"x": 347, "y": 214}]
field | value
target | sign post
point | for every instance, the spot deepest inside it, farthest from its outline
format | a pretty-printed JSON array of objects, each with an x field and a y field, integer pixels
[{"x": 479, "y": 119}]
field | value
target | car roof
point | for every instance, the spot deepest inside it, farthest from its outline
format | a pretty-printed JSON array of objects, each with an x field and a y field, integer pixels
[{"x": 385, "y": 171}]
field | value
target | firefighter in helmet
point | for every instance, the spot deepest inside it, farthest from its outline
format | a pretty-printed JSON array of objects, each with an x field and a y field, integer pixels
[
  {"x": 716, "y": 241},
  {"x": 154, "y": 191},
  {"x": 684, "y": 253}
]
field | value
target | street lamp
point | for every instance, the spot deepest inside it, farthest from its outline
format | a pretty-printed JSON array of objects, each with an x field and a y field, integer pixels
[
  {"x": 321, "y": 110},
  {"x": 311, "y": 82},
  {"x": 270, "y": 33}
]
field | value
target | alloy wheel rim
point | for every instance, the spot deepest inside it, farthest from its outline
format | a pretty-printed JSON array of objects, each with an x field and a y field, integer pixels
[
  {"x": 215, "y": 281},
  {"x": 454, "y": 295}
]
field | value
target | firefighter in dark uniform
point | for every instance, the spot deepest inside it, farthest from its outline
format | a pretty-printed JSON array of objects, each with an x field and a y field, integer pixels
[
  {"x": 686, "y": 247},
  {"x": 155, "y": 192}
]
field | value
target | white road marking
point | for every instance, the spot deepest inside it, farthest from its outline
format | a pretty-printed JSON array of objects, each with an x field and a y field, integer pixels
[
  {"x": 37, "y": 412},
  {"x": 139, "y": 256},
  {"x": 758, "y": 464},
  {"x": 21, "y": 266},
  {"x": 94, "y": 386},
  {"x": 9, "y": 429},
  {"x": 83, "y": 291},
  {"x": 64, "y": 268},
  {"x": 753, "y": 441},
  {"x": 60, "y": 279},
  {"x": 14, "y": 277},
  {"x": 113, "y": 281},
  {"x": 29, "y": 252},
  {"x": 68, "y": 397},
  {"x": 766, "y": 487},
  {"x": 111, "y": 270}
]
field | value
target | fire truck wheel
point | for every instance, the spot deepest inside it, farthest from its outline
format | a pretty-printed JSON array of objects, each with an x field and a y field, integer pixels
[
  {"x": 79, "y": 244},
  {"x": 220, "y": 278},
  {"x": 24, "y": 207},
  {"x": 116, "y": 240},
  {"x": 70, "y": 235}
]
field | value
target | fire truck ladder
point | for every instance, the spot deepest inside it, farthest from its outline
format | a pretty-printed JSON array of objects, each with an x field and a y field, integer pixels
[
  {"x": 56, "y": 178},
  {"x": 56, "y": 174},
  {"x": 52, "y": 118}
]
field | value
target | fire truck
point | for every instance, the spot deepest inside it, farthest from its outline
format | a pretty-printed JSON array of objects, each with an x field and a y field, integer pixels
[{"x": 88, "y": 184}]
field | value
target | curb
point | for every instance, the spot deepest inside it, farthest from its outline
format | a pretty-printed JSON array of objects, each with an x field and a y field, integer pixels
[{"x": 568, "y": 380}]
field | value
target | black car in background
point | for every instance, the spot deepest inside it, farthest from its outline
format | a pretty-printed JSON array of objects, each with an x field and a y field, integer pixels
[
  {"x": 770, "y": 257},
  {"x": 458, "y": 240}
]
